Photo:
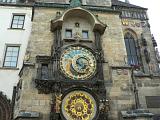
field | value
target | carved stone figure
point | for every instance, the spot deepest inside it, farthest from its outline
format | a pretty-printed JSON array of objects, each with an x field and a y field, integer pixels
[{"x": 57, "y": 102}]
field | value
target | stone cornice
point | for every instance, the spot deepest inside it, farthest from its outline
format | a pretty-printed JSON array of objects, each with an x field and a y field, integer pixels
[
  {"x": 58, "y": 5},
  {"x": 16, "y": 4}
]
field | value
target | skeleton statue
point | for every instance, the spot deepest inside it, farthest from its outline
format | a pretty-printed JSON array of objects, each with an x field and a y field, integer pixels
[{"x": 57, "y": 102}]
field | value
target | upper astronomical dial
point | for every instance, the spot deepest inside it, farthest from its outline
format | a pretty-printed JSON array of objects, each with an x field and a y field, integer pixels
[{"x": 77, "y": 63}]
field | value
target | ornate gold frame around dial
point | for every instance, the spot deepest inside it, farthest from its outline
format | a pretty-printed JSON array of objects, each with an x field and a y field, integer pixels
[
  {"x": 79, "y": 104},
  {"x": 78, "y": 63}
]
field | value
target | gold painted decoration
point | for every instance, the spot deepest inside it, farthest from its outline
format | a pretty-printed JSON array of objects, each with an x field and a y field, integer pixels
[
  {"x": 133, "y": 23},
  {"x": 77, "y": 63},
  {"x": 79, "y": 105},
  {"x": 125, "y": 22}
]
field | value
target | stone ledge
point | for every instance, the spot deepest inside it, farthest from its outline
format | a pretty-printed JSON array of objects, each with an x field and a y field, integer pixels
[
  {"x": 121, "y": 67},
  {"x": 24, "y": 65},
  {"x": 8, "y": 68},
  {"x": 20, "y": 29},
  {"x": 137, "y": 113},
  {"x": 146, "y": 75},
  {"x": 74, "y": 40},
  {"x": 28, "y": 114}
]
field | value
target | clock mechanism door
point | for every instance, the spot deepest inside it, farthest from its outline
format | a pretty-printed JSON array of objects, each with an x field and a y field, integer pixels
[{"x": 78, "y": 63}]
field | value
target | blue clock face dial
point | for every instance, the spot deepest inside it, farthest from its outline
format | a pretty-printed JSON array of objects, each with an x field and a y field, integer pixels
[{"x": 77, "y": 63}]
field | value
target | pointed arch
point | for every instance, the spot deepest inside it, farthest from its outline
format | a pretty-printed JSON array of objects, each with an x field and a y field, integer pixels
[{"x": 129, "y": 30}]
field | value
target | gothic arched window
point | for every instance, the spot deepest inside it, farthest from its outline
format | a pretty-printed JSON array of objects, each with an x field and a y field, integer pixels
[{"x": 131, "y": 49}]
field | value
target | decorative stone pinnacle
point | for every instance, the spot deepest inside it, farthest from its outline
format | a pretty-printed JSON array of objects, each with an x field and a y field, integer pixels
[
  {"x": 127, "y": 1},
  {"x": 154, "y": 41},
  {"x": 75, "y": 3}
]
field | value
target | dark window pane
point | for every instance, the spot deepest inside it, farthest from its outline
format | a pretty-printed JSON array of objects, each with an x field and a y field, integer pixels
[
  {"x": 131, "y": 49},
  {"x": 153, "y": 101},
  {"x": 44, "y": 74},
  {"x": 127, "y": 47},
  {"x": 135, "y": 60},
  {"x": 129, "y": 59}
]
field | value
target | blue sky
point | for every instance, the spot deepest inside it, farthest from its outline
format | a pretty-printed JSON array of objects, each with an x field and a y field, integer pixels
[{"x": 154, "y": 15}]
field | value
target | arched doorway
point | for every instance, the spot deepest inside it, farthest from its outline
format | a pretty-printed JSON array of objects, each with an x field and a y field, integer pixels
[{"x": 5, "y": 108}]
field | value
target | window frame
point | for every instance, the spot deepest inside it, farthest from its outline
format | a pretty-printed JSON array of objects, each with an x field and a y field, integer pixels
[
  {"x": 70, "y": 32},
  {"x": 86, "y": 31},
  {"x": 17, "y": 24},
  {"x": 5, "y": 55},
  {"x": 7, "y": 1},
  {"x": 150, "y": 103},
  {"x": 45, "y": 75},
  {"x": 130, "y": 44}
]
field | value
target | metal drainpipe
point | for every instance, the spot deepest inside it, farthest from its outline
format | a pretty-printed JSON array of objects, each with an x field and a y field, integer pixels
[{"x": 135, "y": 89}]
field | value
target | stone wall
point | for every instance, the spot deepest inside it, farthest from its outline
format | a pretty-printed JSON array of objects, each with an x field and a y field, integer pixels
[
  {"x": 117, "y": 74},
  {"x": 30, "y": 100},
  {"x": 148, "y": 86},
  {"x": 112, "y": 40},
  {"x": 120, "y": 92},
  {"x": 41, "y": 38}
]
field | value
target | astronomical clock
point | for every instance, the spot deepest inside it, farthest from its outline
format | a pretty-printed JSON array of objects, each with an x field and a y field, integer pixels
[
  {"x": 75, "y": 75},
  {"x": 78, "y": 63},
  {"x": 75, "y": 81},
  {"x": 80, "y": 93}
]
